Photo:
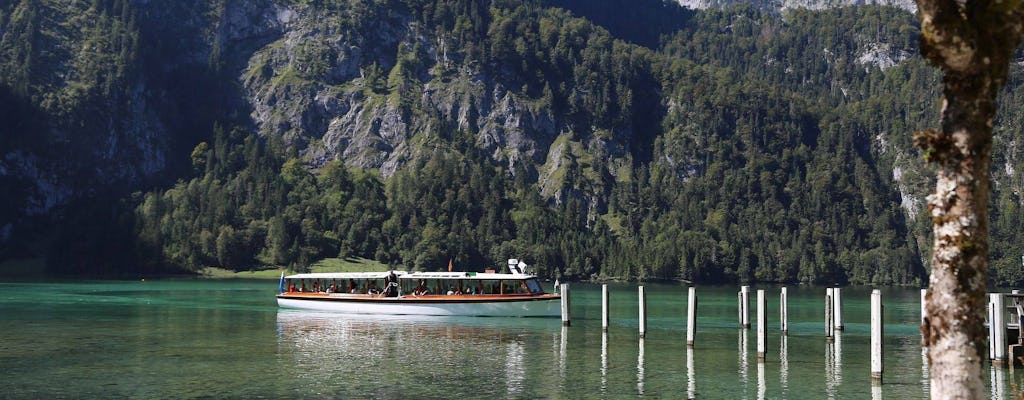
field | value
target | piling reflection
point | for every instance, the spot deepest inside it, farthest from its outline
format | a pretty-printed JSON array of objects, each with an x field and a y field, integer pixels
[
  {"x": 925, "y": 372},
  {"x": 997, "y": 377},
  {"x": 762, "y": 386},
  {"x": 876, "y": 392},
  {"x": 784, "y": 364},
  {"x": 563, "y": 354},
  {"x": 604, "y": 362},
  {"x": 691, "y": 376},
  {"x": 837, "y": 358},
  {"x": 640, "y": 368},
  {"x": 742, "y": 351}
]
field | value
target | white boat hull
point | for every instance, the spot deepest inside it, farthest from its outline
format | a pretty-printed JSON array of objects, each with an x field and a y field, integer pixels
[{"x": 548, "y": 306}]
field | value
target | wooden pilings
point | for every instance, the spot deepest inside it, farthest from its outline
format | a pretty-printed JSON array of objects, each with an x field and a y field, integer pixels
[
  {"x": 565, "y": 304},
  {"x": 642, "y": 296},
  {"x": 997, "y": 328},
  {"x": 744, "y": 306},
  {"x": 876, "y": 336},
  {"x": 837, "y": 308},
  {"x": 691, "y": 316},
  {"x": 604, "y": 307},
  {"x": 829, "y": 327},
  {"x": 762, "y": 326},
  {"x": 784, "y": 311}
]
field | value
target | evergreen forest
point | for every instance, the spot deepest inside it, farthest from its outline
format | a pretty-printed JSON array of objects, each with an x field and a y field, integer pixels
[{"x": 595, "y": 140}]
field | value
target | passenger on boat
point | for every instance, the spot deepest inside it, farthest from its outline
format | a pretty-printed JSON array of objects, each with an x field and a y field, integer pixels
[
  {"x": 291, "y": 287},
  {"x": 372, "y": 289},
  {"x": 451, "y": 291},
  {"x": 421, "y": 289},
  {"x": 303, "y": 288}
]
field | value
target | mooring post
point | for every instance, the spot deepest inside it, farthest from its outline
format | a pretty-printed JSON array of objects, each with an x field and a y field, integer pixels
[
  {"x": 643, "y": 310},
  {"x": 924, "y": 295},
  {"x": 997, "y": 328},
  {"x": 604, "y": 307},
  {"x": 745, "y": 306},
  {"x": 565, "y": 304},
  {"x": 784, "y": 311},
  {"x": 691, "y": 317},
  {"x": 876, "y": 336},
  {"x": 762, "y": 326},
  {"x": 828, "y": 315},
  {"x": 837, "y": 308}
]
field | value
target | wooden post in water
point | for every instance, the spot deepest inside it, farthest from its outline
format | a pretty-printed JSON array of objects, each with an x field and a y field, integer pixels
[
  {"x": 784, "y": 311},
  {"x": 924, "y": 294},
  {"x": 837, "y": 308},
  {"x": 997, "y": 328},
  {"x": 565, "y": 304},
  {"x": 604, "y": 307},
  {"x": 876, "y": 336},
  {"x": 691, "y": 317},
  {"x": 745, "y": 306},
  {"x": 643, "y": 310},
  {"x": 829, "y": 327},
  {"x": 762, "y": 326}
]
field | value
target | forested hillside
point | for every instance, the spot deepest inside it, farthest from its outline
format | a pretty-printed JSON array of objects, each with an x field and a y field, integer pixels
[{"x": 736, "y": 144}]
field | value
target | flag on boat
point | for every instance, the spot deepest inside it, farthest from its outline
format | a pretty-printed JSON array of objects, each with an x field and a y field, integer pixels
[
  {"x": 280, "y": 285},
  {"x": 449, "y": 265}
]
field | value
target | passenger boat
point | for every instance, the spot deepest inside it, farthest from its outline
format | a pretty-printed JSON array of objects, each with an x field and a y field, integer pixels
[{"x": 513, "y": 294}]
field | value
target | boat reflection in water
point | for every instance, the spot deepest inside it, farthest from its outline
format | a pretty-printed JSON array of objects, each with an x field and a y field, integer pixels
[{"x": 378, "y": 356}]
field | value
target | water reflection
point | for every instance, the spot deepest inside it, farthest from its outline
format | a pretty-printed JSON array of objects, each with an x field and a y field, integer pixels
[
  {"x": 925, "y": 372},
  {"x": 515, "y": 369},
  {"x": 640, "y": 368},
  {"x": 562, "y": 354},
  {"x": 742, "y": 351},
  {"x": 837, "y": 358},
  {"x": 326, "y": 349},
  {"x": 784, "y": 364},
  {"x": 876, "y": 392},
  {"x": 691, "y": 375},
  {"x": 997, "y": 376},
  {"x": 762, "y": 386},
  {"x": 604, "y": 362}
]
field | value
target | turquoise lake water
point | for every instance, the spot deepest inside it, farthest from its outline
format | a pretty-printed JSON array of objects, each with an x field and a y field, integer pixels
[{"x": 227, "y": 339}]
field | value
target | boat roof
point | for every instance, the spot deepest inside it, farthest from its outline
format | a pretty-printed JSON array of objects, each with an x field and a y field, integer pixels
[
  {"x": 402, "y": 275},
  {"x": 345, "y": 275}
]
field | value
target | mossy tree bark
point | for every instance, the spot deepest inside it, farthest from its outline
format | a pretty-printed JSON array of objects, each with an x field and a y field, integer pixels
[{"x": 972, "y": 42}]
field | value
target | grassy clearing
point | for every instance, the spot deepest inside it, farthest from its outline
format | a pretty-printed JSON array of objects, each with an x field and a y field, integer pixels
[
  {"x": 325, "y": 265},
  {"x": 348, "y": 265}
]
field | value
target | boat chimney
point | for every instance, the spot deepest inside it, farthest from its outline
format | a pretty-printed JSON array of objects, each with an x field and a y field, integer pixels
[{"x": 513, "y": 266}]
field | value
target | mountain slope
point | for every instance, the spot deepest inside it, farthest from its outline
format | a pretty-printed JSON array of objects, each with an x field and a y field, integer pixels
[{"x": 717, "y": 146}]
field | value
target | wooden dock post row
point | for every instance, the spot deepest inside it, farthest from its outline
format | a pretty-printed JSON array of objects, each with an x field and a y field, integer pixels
[
  {"x": 997, "y": 328},
  {"x": 564, "y": 289},
  {"x": 784, "y": 311},
  {"x": 876, "y": 336},
  {"x": 604, "y": 307},
  {"x": 642, "y": 295},
  {"x": 691, "y": 317},
  {"x": 829, "y": 327},
  {"x": 837, "y": 308},
  {"x": 744, "y": 306},
  {"x": 762, "y": 326}
]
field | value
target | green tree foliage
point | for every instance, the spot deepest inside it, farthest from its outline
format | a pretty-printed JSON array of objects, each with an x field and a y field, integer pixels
[{"x": 711, "y": 146}]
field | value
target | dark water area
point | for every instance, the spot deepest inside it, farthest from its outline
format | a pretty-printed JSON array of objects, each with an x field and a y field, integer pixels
[{"x": 228, "y": 339}]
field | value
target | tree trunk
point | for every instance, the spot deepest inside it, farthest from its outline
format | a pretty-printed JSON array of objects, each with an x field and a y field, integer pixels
[{"x": 972, "y": 43}]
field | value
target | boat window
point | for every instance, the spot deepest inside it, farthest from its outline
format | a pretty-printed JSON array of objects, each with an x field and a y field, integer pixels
[{"x": 534, "y": 286}]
